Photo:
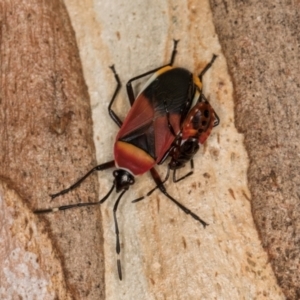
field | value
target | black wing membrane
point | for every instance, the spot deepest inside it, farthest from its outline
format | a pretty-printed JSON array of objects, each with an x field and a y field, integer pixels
[{"x": 173, "y": 91}]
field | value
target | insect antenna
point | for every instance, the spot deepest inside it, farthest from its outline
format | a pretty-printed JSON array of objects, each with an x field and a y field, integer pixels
[
  {"x": 69, "y": 206},
  {"x": 118, "y": 247}
]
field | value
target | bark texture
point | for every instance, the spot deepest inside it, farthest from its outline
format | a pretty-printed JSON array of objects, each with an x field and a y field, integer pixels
[
  {"x": 260, "y": 41},
  {"x": 46, "y": 135}
]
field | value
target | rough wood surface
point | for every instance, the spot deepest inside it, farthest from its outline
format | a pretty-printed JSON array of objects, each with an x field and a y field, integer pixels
[
  {"x": 260, "y": 41},
  {"x": 30, "y": 265},
  {"x": 46, "y": 141}
]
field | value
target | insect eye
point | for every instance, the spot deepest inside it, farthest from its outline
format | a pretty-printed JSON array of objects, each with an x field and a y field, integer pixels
[
  {"x": 203, "y": 123},
  {"x": 206, "y": 113},
  {"x": 115, "y": 173}
]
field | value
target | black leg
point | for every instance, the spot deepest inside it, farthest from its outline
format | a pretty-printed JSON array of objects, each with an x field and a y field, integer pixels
[
  {"x": 207, "y": 67},
  {"x": 64, "y": 207},
  {"x": 118, "y": 247},
  {"x": 129, "y": 88},
  {"x": 217, "y": 120},
  {"x": 112, "y": 114},
  {"x": 160, "y": 185},
  {"x": 102, "y": 167},
  {"x": 174, "y": 52},
  {"x": 151, "y": 191},
  {"x": 186, "y": 175}
]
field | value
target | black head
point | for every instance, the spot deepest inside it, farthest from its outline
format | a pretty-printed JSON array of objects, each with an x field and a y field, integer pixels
[{"x": 123, "y": 180}]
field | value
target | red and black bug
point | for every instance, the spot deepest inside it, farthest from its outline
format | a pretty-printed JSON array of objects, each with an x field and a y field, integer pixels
[
  {"x": 149, "y": 134},
  {"x": 195, "y": 130}
]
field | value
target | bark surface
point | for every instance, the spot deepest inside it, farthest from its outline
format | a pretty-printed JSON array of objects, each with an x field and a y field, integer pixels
[{"x": 260, "y": 41}]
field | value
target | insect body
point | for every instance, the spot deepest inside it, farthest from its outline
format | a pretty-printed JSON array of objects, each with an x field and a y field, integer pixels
[
  {"x": 196, "y": 128},
  {"x": 152, "y": 127},
  {"x": 154, "y": 120}
]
